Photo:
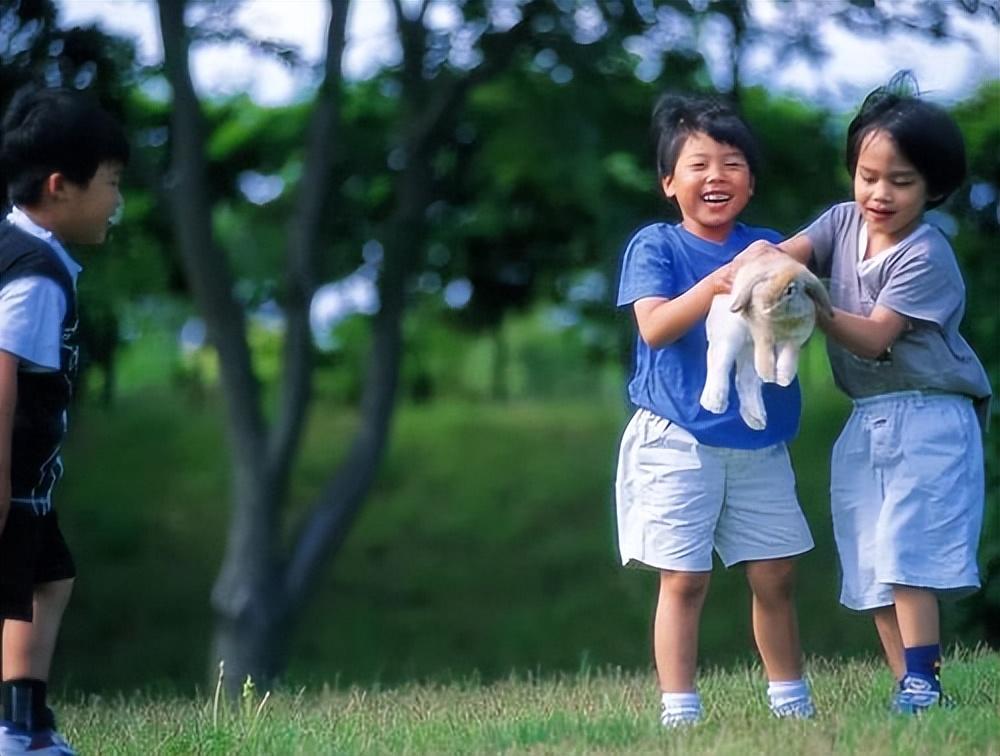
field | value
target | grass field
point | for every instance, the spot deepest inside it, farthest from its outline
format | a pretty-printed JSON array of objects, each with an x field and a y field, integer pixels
[
  {"x": 487, "y": 547},
  {"x": 589, "y": 712}
]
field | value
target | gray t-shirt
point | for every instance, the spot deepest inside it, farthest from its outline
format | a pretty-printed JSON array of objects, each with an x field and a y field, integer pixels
[{"x": 918, "y": 278}]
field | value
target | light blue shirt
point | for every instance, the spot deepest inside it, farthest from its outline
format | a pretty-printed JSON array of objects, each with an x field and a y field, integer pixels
[{"x": 32, "y": 308}]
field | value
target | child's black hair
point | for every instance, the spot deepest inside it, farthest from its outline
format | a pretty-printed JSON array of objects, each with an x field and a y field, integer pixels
[
  {"x": 676, "y": 117},
  {"x": 48, "y": 131},
  {"x": 925, "y": 134}
]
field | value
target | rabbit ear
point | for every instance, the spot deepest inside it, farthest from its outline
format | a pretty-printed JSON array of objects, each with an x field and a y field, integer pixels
[
  {"x": 741, "y": 296},
  {"x": 817, "y": 292}
]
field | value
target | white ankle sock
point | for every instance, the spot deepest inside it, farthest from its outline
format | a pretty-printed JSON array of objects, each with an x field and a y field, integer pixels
[
  {"x": 686, "y": 705},
  {"x": 786, "y": 691}
]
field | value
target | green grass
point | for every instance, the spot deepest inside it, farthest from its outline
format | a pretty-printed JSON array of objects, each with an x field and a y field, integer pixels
[
  {"x": 589, "y": 712},
  {"x": 487, "y": 547}
]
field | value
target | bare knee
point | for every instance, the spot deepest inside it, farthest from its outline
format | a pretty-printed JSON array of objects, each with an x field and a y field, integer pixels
[
  {"x": 772, "y": 581},
  {"x": 684, "y": 587},
  {"x": 55, "y": 594}
]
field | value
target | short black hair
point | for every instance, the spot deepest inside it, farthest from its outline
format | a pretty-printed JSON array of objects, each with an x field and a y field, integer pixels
[
  {"x": 676, "y": 117},
  {"x": 925, "y": 134},
  {"x": 48, "y": 131}
]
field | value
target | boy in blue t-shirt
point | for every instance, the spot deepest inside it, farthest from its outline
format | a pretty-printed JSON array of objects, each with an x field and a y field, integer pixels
[
  {"x": 62, "y": 158},
  {"x": 688, "y": 480}
]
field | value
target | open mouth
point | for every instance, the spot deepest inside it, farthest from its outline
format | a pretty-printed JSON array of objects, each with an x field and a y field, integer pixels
[
  {"x": 880, "y": 213},
  {"x": 716, "y": 198}
]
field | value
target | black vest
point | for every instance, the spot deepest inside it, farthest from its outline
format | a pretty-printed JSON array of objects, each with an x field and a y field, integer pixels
[{"x": 42, "y": 397}]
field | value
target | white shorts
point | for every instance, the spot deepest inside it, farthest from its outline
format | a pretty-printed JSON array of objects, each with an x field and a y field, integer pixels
[
  {"x": 678, "y": 499},
  {"x": 906, "y": 491}
]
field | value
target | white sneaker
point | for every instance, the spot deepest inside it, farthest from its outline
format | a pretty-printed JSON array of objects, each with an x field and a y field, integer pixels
[
  {"x": 14, "y": 740},
  {"x": 680, "y": 718},
  {"x": 797, "y": 708}
]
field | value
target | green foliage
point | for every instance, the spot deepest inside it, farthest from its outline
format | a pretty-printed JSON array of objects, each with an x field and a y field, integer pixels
[
  {"x": 586, "y": 712},
  {"x": 799, "y": 177},
  {"x": 340, "y": 377},
  {"x": 975, "y": 245}
]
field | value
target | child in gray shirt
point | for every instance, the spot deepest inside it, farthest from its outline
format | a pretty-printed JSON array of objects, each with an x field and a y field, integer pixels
[{"x": 907, "y": 482}]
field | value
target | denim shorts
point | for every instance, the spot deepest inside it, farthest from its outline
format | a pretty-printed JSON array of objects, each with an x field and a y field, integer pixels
[{"x": 906, "y": 492}]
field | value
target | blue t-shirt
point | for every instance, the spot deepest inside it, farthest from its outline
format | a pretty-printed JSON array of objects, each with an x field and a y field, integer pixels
[{"x": 664, "y": 260}]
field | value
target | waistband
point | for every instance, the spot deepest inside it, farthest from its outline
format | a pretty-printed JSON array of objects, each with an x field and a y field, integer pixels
[{"x": 923, "y": 395}]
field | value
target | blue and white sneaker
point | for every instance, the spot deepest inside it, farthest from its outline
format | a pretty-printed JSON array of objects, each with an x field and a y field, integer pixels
[
  {"x": 797, "y": 708},
  {"x": 916, "y": 694},
  {"x": 14, "y": 740}
]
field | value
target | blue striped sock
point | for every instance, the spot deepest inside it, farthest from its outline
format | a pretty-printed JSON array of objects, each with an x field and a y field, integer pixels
[{"x": 924, "y": 662}]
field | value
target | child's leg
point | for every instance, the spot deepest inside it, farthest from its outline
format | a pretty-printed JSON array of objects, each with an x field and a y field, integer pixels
[
  {"x": 892, "y": 643},
  {"x": 776, "y": 630},
  {"x": 920, "y": 630},
  {"x": 675, "y": 628},
  {"x": 28, "y": 646},
  {"x": 775, "y": 624},
  {"x": 27, "y": 658},
  {"x": 918, "y": 616},
  {"x": 763, "y": 527}
]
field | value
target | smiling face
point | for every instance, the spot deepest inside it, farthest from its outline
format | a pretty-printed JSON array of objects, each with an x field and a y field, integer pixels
[
  {"x": 890, "y": 192},
  {"x": 711, "y": 183},
  {"x": 83, "y": 213}
]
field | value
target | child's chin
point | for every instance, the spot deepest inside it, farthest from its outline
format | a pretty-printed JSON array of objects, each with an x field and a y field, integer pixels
[{"x": 98, "y": 237}]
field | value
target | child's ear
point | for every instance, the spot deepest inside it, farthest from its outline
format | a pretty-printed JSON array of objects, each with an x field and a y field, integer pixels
[
  {"x": 54, "y": 185},
  {"x": 667, "y": 185},
  {"x": 753, "y": 183}
]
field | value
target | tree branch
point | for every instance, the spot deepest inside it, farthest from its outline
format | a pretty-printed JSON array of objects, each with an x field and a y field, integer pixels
[
  {"x": 248, "y": 565},
  {"x": 303, "y": 240},
  {"x": 329, "y": 521},
  {"x": 207, "y": 270}
]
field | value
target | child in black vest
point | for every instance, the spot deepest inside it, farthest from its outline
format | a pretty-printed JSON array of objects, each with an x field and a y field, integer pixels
[{"x": 62, "y": 157}]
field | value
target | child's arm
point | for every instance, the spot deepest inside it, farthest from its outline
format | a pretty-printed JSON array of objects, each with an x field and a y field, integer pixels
[
  {"x": 662, "y": 321},
  {"x": 798, "y": 247},
  {"x": 8, "y": 400},
  {"x": 867, "y": 337}
]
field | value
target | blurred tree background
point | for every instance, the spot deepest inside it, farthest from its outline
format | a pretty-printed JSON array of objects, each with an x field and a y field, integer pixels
[{"x": 355, "y": 378}]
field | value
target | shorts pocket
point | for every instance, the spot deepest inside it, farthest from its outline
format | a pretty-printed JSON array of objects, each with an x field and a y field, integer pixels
[{"x": 886, "y": 445}]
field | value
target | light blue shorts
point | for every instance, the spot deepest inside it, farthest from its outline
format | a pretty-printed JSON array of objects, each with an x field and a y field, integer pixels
[
  {"x": 678, "y": 499},
  {"x": 906, "y": 492}
]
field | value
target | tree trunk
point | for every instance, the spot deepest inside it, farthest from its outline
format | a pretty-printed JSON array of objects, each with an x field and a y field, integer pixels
[
  {"x": 257, "y": 595},
  {"x": 242, "y": 597},
  {"x": 251, "y": 604},
  {"x": 325, "y": 529}
]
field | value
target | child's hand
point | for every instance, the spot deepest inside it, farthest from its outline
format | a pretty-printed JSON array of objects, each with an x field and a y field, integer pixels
[
  {"x": 721, "y": 279},
  {"x": 823, "y": 321},
  {"x": 753, "y": 251},
  {"x": 726, "y": 274}
]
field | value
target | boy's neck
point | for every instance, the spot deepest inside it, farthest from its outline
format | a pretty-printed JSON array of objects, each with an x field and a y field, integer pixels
[
  {"x": 41, "y": 217},
  {"x": 714, "y": 234}
]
